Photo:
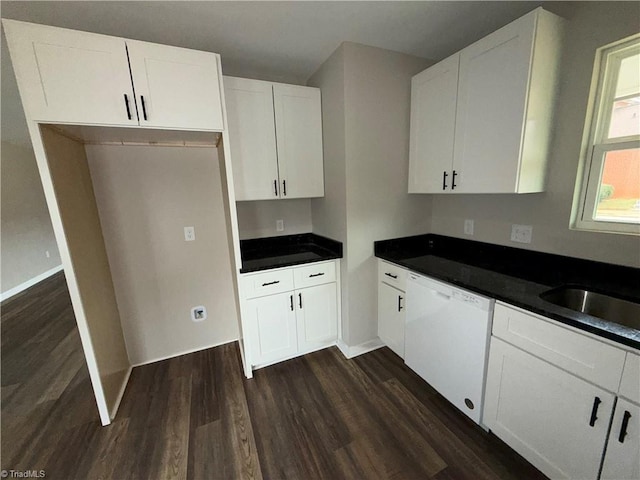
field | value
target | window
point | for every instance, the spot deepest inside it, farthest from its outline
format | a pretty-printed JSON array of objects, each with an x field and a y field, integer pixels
[{"x": 609, "y": 188}]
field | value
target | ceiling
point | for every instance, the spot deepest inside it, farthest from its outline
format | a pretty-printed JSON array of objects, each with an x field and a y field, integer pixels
[{"x": 279, "y": 41}]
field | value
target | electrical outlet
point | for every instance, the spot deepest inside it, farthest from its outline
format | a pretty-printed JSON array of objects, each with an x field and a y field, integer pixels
[
  {"x": 521, "y": 233},
  {"x": 47, "y": 254},
  {"x": 199, "y": 313},
  {"x": 468, "y": 227},
  {"x": 279, "y": 225},
  {"x": 189, "y": 234}
]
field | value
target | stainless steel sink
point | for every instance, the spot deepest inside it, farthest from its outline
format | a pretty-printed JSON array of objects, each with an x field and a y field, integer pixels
[{"x": 598, "y": 305}]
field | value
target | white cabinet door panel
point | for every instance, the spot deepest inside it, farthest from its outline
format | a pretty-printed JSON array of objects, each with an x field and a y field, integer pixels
[
  {"x": 272, "y": 324},
  {"x": 433, "y": 117},
  {"x": 67, "y": 76},
  {"x": 622, "y": 460},
  {"x": 630, "y": 383},
  {"x": 317, "y": 315},
  {"x": 391, "y": 317},
  {"x": 299, "y": 140},
  {"x": 253, "y": 143},
  {"x": 492, "y": 94},
  {"x": 544, "y": 413},
  {"x": 176, "y": 88}
]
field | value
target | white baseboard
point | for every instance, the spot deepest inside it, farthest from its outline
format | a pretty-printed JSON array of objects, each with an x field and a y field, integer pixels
[
  {"x": 179, "y": 354},
  {"x": 123, "y": 387},
  {"x": 355, "y": 350},
  {"x": 29, "y": 283}
]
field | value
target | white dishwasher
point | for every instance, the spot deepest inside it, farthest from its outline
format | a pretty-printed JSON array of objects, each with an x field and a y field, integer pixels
[{"x": 446, "y": 340}]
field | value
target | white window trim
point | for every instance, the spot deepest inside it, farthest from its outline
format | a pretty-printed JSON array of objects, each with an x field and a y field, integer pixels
[{"x": 595, "y": 144}]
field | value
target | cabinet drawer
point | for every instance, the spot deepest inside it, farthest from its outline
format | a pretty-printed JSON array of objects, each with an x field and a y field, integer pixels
[
  {"x": 267, "y": 283},
  {"x": 392, "y": 275},
  {"x": 630, "y": 383},
  {"x": 314, "y": 274},
  {"x": 586, "y": 357}
]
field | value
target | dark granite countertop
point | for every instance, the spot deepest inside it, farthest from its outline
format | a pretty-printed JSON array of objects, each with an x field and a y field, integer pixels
[
  {"x": 274, "y": 252},
  {"x": 517, "y": 276}
]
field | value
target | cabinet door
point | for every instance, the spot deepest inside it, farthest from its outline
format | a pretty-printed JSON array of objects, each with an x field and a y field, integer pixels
[
  {"x": 391, "y": 317},
  {"x": 176, "y": 88},
  {"x": 492, "y": 93},
  {"x": 433, "y": 117},
  {"x": 299, "y": 139},
  {"x": 622, "y": 459},
  {"x": 66, "y": 76},
  {"x": 553, "y": 419},
  {"x": 272, "y": 327},
  {"x": 253, "y": 139},
  {"x": 317, "y": 316}
]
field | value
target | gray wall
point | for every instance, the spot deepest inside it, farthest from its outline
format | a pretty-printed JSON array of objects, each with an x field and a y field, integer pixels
[
  {"x": 26, "y": 231},
  {"x": 257, "y": 219},
  {"x": 591, "y": 25},
  {"x": 366, "y": 90}
]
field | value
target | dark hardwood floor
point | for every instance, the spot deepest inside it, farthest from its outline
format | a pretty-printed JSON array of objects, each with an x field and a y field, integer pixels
[{"x": 316, "y": 417}]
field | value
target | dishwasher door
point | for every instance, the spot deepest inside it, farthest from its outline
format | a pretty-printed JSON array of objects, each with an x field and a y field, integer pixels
[{"x": 446, "y": 340}]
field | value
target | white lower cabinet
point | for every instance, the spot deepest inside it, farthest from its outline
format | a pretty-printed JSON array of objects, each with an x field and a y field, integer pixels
[
  {"x": 622, "y": 460},
  {"x": 554, "y": 419},
  {"x": 272, "y": 320},
  {"x": 564, "y": 399},
  {"x": 391, "y": 317},
  {"x": 282, "y": 321}
]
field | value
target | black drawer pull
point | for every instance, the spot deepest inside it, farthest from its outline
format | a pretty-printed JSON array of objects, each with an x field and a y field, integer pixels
[
  {"x": 391, "y": 275},
  {"x": 126, "y": 102},
  {"x": 291, "y": 304},
  {"x": 594, "y": 411},
  {"x": 275, "y": 187},
  {"x": 453, "y": 180},
  {"x": 300, "y": 300},
  {"x": 316, "y": 275},
  {"x": 284, "y": 187},
  {"x": 623, "y": 427},
  {"x": 270, "y": 283},
  {"x": 444, "y": 180},
  {"x": 144, "y": 107},
  {"x": 400, "y": 303}
]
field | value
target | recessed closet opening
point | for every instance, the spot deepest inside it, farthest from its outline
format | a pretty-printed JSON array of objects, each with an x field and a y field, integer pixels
[{"x": 145, "y": 216}]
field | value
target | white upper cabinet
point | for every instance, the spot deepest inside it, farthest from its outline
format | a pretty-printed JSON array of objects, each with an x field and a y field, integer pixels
[
  {"x": 433, "y": 119},
  {"x": 505, "y": 91},
  {"x": 276, "y": 139},
  {"x": 299, "y": 138},
  {"x": 67, "y": 76},
  {"x": 175, "y": 87},
  {"x": 251, "y": 134}
]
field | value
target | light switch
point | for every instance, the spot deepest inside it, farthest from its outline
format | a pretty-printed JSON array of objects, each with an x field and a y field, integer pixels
[{"x": 189, "y": 234}]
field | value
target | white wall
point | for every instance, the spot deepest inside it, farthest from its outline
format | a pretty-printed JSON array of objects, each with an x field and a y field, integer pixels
[
  {"x": 145, "y": 196},
  {"x": 591, "y": 25},
  {"x": 26, "y": 231},
  {"x": 368, "y": 196},
  {"x": 258, "y": 219}
]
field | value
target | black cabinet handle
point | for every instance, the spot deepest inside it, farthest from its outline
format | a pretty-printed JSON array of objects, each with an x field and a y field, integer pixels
[
  {"x": 316, "y": 275},
  {"x": 144, "y": 108},
  {"x": 284, "y": 187},
  {"x": 275, "y": 187},
  {"x": 390, "y": 275},
  {"x": 453, "y": 180},
  {"x": 126, "y": 102},
  {"x": 270, "y": 283},
  {"x": 400, "y": 303},
  {"x": 300, "y": 300},
  {"x": 291, "y": 300},
  {"x": 444, "y": 180},
  {"x": 594, "y": 411},
  {"x": 623, "y": 427}
]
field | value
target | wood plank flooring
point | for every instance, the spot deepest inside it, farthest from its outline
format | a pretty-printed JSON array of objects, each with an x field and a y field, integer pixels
[{"x": 196, "y": 417}]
